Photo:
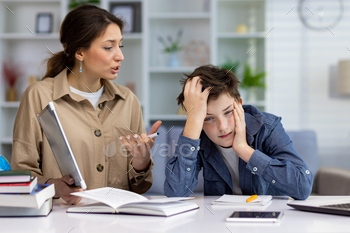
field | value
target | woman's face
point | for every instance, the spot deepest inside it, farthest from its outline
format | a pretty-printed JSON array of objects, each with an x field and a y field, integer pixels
[{"x": 103, "y": 58}]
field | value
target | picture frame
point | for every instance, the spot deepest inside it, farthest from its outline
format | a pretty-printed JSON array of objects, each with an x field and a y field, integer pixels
[
  {"x": 43, "y": 23},
  {"x": 130, "y": 13}
]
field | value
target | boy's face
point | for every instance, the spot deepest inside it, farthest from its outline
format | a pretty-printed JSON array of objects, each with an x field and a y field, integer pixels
[{"x": 219, "y": 124}]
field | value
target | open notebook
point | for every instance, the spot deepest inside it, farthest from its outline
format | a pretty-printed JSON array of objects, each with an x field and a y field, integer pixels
[{"x": 118, "y": 201}]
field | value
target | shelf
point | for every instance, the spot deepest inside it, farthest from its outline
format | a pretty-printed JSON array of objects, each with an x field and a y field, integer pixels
[
  {"x": 180, "y": 15},
  {"x": 29, "y": 36},
  {"x": 238, "y": 1},
  {"x": 6, "y": 140},
  {"x": 259, "y": 103},
  {"x": 165, "y": 69},
  {"x": 170, "y": 117},
  {"x": 132, "y": 36},
  {"x": 233, "y": 35},
  {"x": 31, "y": 1},
  {"x": 14, "y": 104}
]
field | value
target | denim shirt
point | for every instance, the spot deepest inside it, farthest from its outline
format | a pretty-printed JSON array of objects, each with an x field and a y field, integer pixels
[{"x": 275, "y": 168}]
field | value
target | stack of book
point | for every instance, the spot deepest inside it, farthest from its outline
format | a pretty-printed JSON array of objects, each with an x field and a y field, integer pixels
[{"x": 21, "y": 195}]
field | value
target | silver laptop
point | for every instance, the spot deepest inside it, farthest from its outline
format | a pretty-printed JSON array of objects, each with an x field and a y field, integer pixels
[
  {"x": 339, "y": 205},
  {"x": 57, "y": 139}
]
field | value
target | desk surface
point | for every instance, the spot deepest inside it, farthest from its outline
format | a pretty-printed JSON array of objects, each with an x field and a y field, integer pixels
[{"x": 207, "y": 218}]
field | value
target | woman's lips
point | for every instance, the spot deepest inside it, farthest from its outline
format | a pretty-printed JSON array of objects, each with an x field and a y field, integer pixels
[
  {"x": 115, "y": 70},
  {"x": 225, "y": 135}
]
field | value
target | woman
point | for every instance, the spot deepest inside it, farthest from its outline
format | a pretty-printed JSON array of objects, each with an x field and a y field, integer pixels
[{"x": 97, "y": 115}]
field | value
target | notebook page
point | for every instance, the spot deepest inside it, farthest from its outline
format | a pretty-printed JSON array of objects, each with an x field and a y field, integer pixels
[{"x": 111, "y": 196}]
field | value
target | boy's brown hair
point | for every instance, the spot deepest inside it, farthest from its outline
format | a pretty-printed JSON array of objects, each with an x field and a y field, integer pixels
[{"x": 220, "y": 81}]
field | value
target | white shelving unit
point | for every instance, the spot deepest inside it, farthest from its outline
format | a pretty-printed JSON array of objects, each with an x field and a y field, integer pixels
[
  {"x": 213, "y": 22},
  {"x": 165, "y": 18},
  {"x": 20, "y": 44},
  {"x": 246, "y": 48}
]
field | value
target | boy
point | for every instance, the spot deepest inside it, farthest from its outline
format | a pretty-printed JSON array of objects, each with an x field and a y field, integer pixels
[{"x": 241, "y": 150}]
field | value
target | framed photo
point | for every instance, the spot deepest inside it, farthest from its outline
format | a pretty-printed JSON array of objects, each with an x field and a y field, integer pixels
[
  {"x": 44, "y": 23},
  {"x": 130, "y": 13}
]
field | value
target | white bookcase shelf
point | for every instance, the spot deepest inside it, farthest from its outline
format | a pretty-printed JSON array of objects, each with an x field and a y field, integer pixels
[
  {"x": 248, "y": 35},
  {"x": 29, "y": 36},
  {"x": 132, "y": 36},
  {"x": 168, "y": 117},
  {"x": 165, "y": 69},
  {"x": 7, "y": 104},
  {"x": 180, "y": 15},
  {"x": 6, "y": 140}
]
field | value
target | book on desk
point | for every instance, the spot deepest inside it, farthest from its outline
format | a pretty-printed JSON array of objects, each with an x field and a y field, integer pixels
[
  {"x": 241, "y": 200},
  {"x": 118, "y": 201},
  {"x": 15, "y": 176},
  {"x": 36, "y": 203},
  {"x": 26, "y": 187}
]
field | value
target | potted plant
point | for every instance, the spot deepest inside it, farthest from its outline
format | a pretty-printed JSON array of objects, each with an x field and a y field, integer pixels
[
  {"x": 252, "y": 81},
  {"x": 75, "y": 3},
  {"x": 230, "y": 65},
  {"x": 11, "y": 74},
  {"x": 172, "y": 47}
]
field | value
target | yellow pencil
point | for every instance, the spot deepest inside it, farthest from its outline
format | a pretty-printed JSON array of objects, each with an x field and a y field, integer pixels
[{"x": 252, "y": 198}]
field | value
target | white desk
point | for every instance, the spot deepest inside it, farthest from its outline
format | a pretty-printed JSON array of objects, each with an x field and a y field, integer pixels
[{"x": 208, "y": 218}]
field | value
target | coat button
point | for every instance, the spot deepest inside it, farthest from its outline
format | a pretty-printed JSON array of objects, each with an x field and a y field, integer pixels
[
  {"x": 99, "y": 167},
  {"x": 188, "y": 169},
  {"x": 100, "y": 105},
  {"x": 273, "y": 181},
  {"x": 307, "y": 172},
  {"x": 255, "y": 169},
  {"x": 97, "y": 133},
  {"x": 192, "y": 148}
]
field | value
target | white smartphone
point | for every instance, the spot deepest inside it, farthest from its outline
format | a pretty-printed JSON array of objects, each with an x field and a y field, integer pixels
[{"x": 255, "y": 216}]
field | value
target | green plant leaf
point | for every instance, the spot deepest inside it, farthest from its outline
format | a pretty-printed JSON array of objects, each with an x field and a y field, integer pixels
[
  {"x": 230, "y": 65},
  {"x": 75, "y": 3},
  {"x": 251, "y": 79}
]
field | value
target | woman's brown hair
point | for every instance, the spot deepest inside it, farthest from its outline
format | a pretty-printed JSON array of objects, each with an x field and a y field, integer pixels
[
  {"x": 219, "y": 80},
  {"x": 79, "y": 29}
]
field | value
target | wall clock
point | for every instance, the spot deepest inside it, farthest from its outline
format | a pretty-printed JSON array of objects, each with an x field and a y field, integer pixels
[{"x": 320, "y": 15}]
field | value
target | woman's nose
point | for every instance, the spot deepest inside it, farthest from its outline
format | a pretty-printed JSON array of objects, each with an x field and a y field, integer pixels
[{"x": 119, "y": 55}]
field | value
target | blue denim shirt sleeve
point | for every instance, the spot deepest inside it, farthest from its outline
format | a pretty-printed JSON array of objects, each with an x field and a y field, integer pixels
[
  {"x": 281, "y": 166},
  {"x": 182, "y": 170}
]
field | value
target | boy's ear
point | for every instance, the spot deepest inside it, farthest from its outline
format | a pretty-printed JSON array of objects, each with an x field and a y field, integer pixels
[{"x": 241, "y": 101}]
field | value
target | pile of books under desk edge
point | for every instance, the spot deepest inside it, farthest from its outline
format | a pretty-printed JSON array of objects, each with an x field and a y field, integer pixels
[{"x": 21, "y": 195}]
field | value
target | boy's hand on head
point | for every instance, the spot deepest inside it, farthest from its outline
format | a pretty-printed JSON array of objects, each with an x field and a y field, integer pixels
[
  {"x": 195, "y": 102},
  {"x": 239, "y": 143}
]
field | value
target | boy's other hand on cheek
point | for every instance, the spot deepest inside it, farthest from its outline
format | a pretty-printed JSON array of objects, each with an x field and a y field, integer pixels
[
  {"x": 239, "y": 143},
  {"x": 195, "y": 102}
]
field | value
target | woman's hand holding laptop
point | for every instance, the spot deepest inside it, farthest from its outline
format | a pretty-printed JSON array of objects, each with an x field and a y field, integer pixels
[{"x": 64, "y": 187}]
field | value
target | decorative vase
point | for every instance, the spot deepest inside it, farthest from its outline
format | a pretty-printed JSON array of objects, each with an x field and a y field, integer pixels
[
  {"x": 11, "y": 94},
  {"x": 173, "y": 60}
]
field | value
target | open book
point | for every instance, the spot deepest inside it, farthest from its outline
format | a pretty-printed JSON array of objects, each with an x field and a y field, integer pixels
[
  {"x": 241, "y": 200},
  {"x": 113, "y": 200}
]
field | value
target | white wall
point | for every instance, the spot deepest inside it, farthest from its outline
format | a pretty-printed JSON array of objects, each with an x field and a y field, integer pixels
[{"x": 299, "y": 65}]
